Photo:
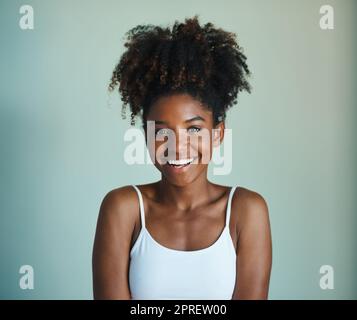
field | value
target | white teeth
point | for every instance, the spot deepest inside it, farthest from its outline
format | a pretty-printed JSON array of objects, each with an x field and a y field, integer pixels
[{"x": 180, "y": 162}]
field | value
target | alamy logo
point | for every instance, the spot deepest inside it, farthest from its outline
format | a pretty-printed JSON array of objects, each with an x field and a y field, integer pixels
[
  {"x": 27, "y": 18},
  {"x": 27, "y": 280},
  {"x": 327, "y": 280},
  {"x": 326, "y": 20},
  {"x": 161, "y": 147}
]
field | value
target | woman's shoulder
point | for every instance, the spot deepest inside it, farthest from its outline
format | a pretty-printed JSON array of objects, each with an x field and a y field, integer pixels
[
  {"x": 125, "y": 197},
  {"x": 119, "y": 194},
  {"x": 246, "y": 194},
  {"x": 120, "y": 201},
  {"x": 249, "y": 204}
]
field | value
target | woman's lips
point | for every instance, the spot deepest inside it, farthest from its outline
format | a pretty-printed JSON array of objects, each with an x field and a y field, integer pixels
[{"x": 178, "y": 168}]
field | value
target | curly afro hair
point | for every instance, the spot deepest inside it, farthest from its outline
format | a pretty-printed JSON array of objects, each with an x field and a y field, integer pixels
[{"x": 203, "y": 61}]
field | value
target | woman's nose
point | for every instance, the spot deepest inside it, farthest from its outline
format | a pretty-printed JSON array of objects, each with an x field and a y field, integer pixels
[{"x": 180, "y": 142}]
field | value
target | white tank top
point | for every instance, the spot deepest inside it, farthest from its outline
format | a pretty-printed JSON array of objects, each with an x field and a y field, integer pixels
[{"x": 161, "y": 273}]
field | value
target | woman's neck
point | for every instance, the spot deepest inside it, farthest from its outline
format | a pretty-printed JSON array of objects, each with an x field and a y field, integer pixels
[{"x": 186, "y": 197}]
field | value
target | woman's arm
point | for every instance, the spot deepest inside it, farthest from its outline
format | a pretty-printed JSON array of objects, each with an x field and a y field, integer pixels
[
  {"x": 110, "y": 260},
  {"x": 254, "y": 250}
]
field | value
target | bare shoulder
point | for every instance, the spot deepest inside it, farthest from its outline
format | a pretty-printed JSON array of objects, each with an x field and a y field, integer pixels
[
  {"x": 118, "y": 209},
  {"x": 110, "y": 257},
  {"x": 122, "y": 199},
  {"x": 254, "y": 245},
  {"x": 249, "y": 206}
]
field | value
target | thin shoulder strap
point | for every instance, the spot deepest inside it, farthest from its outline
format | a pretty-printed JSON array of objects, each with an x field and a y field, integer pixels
[
  {"x": 141, "y": 206},
  {"x": 228, "y": 212}
]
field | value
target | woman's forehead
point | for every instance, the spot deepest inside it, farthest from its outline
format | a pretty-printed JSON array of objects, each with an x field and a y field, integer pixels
[{"x": 178, "y": 107}]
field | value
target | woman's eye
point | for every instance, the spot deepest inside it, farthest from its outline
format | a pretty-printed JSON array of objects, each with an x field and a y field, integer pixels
[
  {"x": 161, "y": 131},
  {"x": 165, "y": 131},
  {"x": 193, "y": 129}
]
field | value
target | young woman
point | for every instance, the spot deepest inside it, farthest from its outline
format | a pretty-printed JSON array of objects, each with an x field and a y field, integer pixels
[{"x": 182, "y": 237}]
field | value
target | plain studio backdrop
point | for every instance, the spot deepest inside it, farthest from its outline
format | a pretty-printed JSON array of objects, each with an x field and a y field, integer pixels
[{"x": 61, "y": 136}]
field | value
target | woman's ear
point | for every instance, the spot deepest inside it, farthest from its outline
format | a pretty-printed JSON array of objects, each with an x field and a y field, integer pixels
[{"x": 218, "y": 134}]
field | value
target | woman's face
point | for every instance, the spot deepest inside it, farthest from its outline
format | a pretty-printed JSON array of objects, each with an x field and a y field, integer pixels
[{"x": 184, "y": 133}]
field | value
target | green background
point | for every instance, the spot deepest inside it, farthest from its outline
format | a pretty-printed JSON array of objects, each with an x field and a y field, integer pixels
[{"x": 61, "y": 136}]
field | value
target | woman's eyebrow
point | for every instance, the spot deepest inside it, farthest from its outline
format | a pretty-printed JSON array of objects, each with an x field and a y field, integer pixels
[
  {"x": 159, "y": 121},
  {"x": 186, "y": 121},
  {"x": 195, "y": 118}
]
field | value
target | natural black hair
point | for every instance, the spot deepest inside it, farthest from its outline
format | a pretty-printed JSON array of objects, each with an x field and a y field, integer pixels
[{"x": 203, "y": 61}]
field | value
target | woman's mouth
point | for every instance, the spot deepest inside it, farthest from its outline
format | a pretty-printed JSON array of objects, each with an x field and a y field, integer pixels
[{"x": 181, "y": 165}]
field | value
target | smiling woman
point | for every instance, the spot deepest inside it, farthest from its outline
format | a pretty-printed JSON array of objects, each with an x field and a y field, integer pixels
[{"x": 182, "y": 237}]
